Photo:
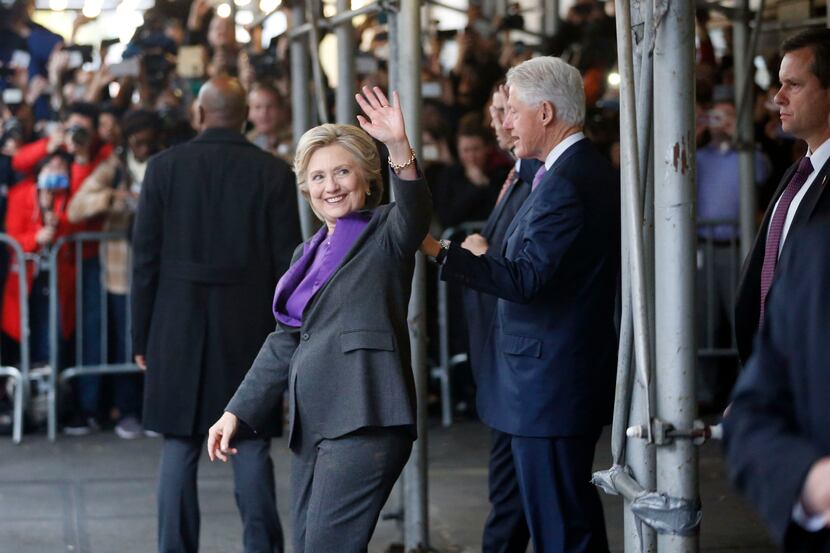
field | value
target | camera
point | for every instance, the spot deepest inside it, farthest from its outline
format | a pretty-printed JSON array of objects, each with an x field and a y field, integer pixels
[
  {"x": 12, "y": 130},
  {"x": 78, "y": 135},
  {"x": 156, "y": 67},
  {"x": 265, "y": 65}
]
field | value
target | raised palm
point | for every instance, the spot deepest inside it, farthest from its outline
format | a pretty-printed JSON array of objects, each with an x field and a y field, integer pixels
[{"x": 383, "y": 121}]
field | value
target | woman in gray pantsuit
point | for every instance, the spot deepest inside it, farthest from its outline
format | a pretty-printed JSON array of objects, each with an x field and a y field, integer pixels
[{"x": 341, "y": 346}]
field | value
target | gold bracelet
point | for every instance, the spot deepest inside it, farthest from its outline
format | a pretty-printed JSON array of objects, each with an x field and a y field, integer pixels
[{"x": 399, "y": 167}]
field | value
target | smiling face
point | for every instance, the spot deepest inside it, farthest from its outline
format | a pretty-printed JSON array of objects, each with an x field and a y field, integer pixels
[
  {"x": 804, "y": 105},
  {"x": 336, "y": 186},
  {"x": 525, "y": 125}
]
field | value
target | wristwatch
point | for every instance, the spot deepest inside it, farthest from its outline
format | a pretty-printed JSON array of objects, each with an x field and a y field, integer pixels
[{"x": 441, "y": 256}]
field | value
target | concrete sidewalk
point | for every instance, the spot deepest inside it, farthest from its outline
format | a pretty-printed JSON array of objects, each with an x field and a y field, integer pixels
[{"x": 96, "y": 494}]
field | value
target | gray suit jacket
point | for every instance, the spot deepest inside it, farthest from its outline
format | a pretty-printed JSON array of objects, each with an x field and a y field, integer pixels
[{"x": 348, "y": 365}]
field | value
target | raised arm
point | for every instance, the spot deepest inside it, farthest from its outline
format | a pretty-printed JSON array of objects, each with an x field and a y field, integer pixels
[{"x": 410, "y": 218}]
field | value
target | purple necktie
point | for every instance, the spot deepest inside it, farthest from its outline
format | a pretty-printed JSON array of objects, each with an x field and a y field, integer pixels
[
  {"x": 537, "y": 178},
  {"x": 776, "y": 229}
]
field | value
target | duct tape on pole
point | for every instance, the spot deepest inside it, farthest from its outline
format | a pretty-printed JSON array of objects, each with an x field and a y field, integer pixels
[{"x": 674, "y": 204}]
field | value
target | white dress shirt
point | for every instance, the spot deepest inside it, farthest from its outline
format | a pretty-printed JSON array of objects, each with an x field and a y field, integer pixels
[
  {"x": 818, "y": 159},
  {"x": 560, "y": 149}
]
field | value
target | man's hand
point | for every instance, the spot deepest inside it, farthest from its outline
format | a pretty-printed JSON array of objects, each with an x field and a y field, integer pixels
[
  {"x": 475, "y": 243},
  {"x": 219, "y": 437},
  {"x": 476, "y": 175},
  {"x": 45, "y": 236},
  {"x": 815, "y": 497},
  {"x": 141, "y": 362}
]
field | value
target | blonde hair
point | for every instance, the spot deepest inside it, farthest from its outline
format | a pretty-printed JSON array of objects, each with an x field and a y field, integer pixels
[{"x": 356, "y": 141}]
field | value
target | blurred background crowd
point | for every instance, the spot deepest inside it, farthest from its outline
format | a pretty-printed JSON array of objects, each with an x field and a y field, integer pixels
[{"x": 89, "y": 95}]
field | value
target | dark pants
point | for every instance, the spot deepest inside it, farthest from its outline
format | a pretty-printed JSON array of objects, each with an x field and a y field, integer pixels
[
  {"x": 506, "y": 529},
  {"x": 126, "y": 387},
  {"x": 340, "y": 486},
  {"x": 178, "y": 500},
  {"x": 561, "y": 505},
  {"x": 89, "y": 387}
]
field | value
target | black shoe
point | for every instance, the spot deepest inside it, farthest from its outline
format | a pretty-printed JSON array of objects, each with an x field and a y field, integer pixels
[{"x": 81, "y": 425}]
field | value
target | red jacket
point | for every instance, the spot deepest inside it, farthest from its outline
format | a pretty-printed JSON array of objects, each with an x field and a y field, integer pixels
[
  {"x": 23, "y": 222},
  {"x": 27, "y": 158}
]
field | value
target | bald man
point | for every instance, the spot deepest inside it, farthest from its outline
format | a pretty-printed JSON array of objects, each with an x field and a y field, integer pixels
[{"x": 216, "y": 225}]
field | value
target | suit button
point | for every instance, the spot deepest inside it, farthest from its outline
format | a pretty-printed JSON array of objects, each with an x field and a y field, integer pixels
[{"x": 305, "y": 336}]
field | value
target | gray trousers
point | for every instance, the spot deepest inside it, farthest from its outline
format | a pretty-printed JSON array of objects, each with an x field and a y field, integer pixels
[
  {"x": 339, "y": 486},
  {"x": 255, "y": 492}
]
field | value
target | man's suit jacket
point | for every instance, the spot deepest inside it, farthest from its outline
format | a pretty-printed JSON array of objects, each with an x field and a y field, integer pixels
[
  {"x": 479, "y": 308},
  {"x": 348, "y": 365},
  {"x": 549, "y": 367},
  {"x": 216, "y": 224},
  {"x": 748, "y": 298},
  {"x": 778, "y": 426}
]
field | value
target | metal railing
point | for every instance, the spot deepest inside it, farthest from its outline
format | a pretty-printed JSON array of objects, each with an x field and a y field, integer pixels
[
  {"x": 446, "y": 361},
  {"x": 59, "y": 378},
  {"x": 718, "y": 255},
  {"x": 19, "y": 374}
]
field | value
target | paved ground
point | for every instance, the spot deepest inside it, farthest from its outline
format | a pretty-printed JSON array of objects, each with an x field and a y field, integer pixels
[{"x": 96, "y": 494}]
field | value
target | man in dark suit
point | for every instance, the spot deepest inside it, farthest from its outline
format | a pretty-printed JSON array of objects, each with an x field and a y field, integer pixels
[
  {"x": 547, "y": 377},
  {"x": 804, "y": 102},
  {"x": 777, "y": 437},
  {"x": 505, "y": 530},
  {"x": 216, "y": 225}
]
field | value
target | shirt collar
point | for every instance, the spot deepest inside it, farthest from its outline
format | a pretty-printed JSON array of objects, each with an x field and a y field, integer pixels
[
  {"x": 820, "y": 156},
  {"x": 560, "y": 149}
]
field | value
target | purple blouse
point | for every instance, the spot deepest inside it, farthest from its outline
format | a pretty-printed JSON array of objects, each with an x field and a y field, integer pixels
[{"x": 321, "y": 257}]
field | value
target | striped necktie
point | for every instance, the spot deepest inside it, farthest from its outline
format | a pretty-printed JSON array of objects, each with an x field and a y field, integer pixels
[
  {"x": 537, "y": 178},
  {"x": 776, "y": 229}
]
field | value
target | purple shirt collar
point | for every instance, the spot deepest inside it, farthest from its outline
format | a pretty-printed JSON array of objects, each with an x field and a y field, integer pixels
[{"x": 321, "y": 257}]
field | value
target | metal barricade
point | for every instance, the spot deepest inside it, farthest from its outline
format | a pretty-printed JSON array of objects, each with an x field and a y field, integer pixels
[
  {"x": 718, "y": 265},
  {"x": 446, "y": 360},
  {"x": 20, "y": 374},
  {"x": 59, "y": 378}
]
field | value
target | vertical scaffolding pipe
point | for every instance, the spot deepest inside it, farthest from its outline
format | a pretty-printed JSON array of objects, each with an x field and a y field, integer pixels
[
  {"x": 407, "y": 73},
  {"x": 345, "y": 105},
  {"x": 745, "y": 134},
  {"x": 301, "y": 104},
  {"x": 674, "y": 205},
  {"x": 550, "y": 17},
  {"x": 640, "y": 454}
]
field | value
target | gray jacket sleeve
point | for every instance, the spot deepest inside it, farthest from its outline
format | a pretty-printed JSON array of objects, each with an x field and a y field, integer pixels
[
  {"x": 261, "y": 391},
  {"x": 410, "y": 216}
]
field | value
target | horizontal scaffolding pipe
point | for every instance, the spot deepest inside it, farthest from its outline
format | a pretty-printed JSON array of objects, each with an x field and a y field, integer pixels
[{"x": 336, "y": 20}]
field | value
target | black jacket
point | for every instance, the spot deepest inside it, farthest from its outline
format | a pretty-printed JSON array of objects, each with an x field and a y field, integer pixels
[
  {"x": 216, "y": 224},
  {"x": 748, "y": 299},
  {"x": 777, "y": 426}
]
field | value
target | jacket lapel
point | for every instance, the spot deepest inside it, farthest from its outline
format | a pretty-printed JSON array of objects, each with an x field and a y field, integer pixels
[{"x": 308, "y": 312}]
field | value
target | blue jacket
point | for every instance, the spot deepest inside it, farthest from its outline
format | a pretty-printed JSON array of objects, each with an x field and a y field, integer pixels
[{"x": 551, "y": 357}]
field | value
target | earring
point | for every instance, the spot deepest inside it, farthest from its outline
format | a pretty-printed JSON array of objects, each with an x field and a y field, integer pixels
[{"x": 368, "y": 191}]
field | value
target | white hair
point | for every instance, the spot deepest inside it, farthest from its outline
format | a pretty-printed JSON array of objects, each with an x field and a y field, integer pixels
[{"x": 549, "y": 79}]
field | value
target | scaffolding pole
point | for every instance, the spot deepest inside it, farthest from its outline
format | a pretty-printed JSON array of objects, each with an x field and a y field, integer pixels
[
  {"x": 745, "y": 134},
  {"x": 640, "y": 454},
  {"x": 405, "y": 73},
  {"x": 301, "y": 106},
  {"x": 674, "y": 205},
  {"x": 345, "y": 105},
  {"x": 550, "y": 17}
]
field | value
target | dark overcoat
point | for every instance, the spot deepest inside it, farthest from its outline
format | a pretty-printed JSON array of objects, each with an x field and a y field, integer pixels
[
  {"x": 816, "y": 203},
  {"x": 216, "y": 225},
  {"x": 777, "y": 426}
]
